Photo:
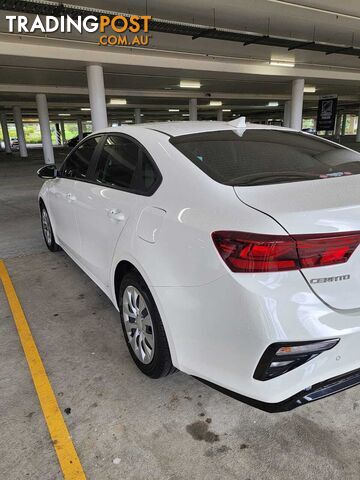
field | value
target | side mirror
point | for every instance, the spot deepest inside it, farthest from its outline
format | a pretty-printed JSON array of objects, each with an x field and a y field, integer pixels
[{"x": 47, "y": 172}]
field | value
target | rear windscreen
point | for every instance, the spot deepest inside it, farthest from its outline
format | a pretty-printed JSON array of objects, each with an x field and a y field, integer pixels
[{"x": 262, "y": 157}]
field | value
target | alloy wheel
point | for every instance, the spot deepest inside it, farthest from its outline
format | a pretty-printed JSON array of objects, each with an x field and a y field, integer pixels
[
  {"x": 138, "y": 324},
  {"x": 46, "y": 226}
]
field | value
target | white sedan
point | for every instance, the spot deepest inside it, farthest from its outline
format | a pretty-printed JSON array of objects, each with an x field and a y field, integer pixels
[{"x": 229, "y": 249}]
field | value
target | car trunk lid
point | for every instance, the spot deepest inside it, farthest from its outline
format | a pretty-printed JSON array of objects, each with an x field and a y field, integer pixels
[{"x": 327, "y": 206}]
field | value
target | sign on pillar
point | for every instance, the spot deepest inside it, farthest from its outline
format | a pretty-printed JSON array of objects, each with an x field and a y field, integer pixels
[{"x": 326, "y": 112}]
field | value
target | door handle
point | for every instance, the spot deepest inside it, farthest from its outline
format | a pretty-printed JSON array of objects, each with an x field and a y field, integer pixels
[
  {"x": 116, "y": 214},
  {"x": 70, "y": 197}
]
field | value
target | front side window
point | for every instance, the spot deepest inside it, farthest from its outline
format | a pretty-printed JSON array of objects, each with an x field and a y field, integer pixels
[
  {"x": 263, "y": 157},
  {"x": 118, "y": 162},
  {"x": 77, "y": 163}
]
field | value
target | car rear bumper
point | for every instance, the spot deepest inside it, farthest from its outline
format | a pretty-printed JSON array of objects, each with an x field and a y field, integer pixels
[
  {"x": 316, "y": 392},
  {"x": 220, "y": 331}
]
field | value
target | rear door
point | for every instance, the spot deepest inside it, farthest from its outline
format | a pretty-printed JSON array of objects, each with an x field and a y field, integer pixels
[
  {"x": 123, "y": 175},
  {"x": 64, "y": 194}
]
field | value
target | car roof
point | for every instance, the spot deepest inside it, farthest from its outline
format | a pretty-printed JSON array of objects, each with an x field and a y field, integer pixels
[{"x": 175, "y": 129}]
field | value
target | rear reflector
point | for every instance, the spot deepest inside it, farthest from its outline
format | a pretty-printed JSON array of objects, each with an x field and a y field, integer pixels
[
  {"x": 251, "y": 252},
  {"x": 280, "y": 358}
]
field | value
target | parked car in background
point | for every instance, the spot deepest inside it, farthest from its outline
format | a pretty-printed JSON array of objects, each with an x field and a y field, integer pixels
[
  {"x": 14, "y": 143},
  {"x": 75, "y": 140},
  {"x": 310, "y": 130},
  {"x": 231, "y": 251}
]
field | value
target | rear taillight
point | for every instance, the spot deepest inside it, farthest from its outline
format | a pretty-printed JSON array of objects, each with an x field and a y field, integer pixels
[
  {"x": 321, "y": 250},
  {"x": 251, "y": 252}
]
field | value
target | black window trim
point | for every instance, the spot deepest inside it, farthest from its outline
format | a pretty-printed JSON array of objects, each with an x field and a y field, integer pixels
[
  {"x": 93, "y": 160},
  {"x": 145, "y": 193}
]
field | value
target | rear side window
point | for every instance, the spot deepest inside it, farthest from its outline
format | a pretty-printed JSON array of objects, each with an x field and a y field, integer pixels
[
  {"x": 118, "y": 162},
  {"x": 77, "y": 163},
  {"x": 147, "y": 173},
  {"x": 260, "y": 157}
]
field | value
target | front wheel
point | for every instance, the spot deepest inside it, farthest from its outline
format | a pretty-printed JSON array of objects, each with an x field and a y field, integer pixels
[
  {"x": 143, "y": 329},
  {"x": 47, "y": 230}
]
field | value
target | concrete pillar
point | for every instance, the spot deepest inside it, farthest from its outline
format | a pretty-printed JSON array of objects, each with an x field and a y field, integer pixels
[
  {"x": 57, "y": 133},
  {"x": 297, "y": 98},
  {"x": 95, "y": 78},
  {"x": 343, "y": 124},
  {"x": 338, "y": 126},
  {"x": 63, "y": 136},
  {"x": 193, "y": 109},
  {"x": 5, "y": 132},
  {"x": 137, "y": 115},
  {"x": 80, "y": 129},
  {"x": 287, "y": 112},
  {"x": 358, "y": 128},
  {"x": 44, "y": 121},
  {"x": 20, "y": 131},
  {"x": 219, "y": 115}
]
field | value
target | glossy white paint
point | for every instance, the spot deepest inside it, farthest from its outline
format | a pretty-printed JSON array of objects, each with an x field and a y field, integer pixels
[
  {"x": 60, "y": 198},
  {"x": 218, "y": 323},
  {"x": 149, "y": 224},
  {"x": 101, "y": 214},
  {"x": 317, "y": 207}
]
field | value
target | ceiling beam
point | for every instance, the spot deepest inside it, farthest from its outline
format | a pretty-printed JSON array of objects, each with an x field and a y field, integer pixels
[
  {"x": 203, "y": 33},
  {"x": 84, "y": 53},
  {"x": 176, "y": 94}
]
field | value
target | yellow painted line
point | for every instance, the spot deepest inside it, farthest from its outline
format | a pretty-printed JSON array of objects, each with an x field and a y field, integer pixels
[{"x": 64, "y": 447}]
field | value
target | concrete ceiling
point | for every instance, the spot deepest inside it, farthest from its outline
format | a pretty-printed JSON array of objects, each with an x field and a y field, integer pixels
[{"x": 335, "y": 21}]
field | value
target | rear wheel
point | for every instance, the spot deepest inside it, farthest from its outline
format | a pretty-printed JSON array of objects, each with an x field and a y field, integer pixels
[
  {"x": 47, "y": 230},
  {"x": 143, "y": 329}
]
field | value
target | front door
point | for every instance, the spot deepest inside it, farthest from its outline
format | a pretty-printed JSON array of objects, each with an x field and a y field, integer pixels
[{"x": 64, "y": 195}]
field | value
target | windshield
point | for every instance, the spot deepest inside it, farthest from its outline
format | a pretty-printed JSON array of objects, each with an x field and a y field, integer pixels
[{"x": 263, "y": 157}]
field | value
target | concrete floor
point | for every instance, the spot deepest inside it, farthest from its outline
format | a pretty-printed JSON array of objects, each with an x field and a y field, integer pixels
[{"x": 159, "y": 429}]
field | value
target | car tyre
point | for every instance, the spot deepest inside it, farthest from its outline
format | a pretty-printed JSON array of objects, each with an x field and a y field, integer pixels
[
  {"x": 143, "y": 329},
  {"x": 48, "y": 231}
]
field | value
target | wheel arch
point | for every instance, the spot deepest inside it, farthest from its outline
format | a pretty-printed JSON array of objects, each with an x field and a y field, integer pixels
[
  {"x": 41, "y": 202},
  {"x": 122, "y": 268}
]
